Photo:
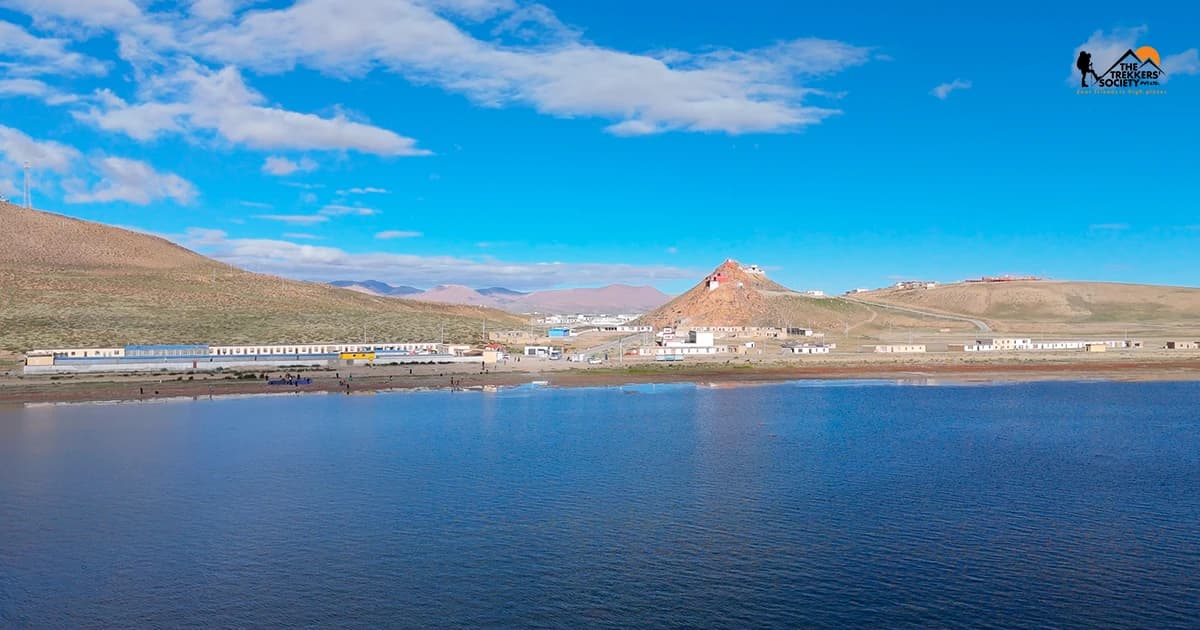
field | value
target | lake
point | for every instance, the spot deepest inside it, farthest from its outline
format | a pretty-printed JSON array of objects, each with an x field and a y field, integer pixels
[{"x": 822, "y": 504}]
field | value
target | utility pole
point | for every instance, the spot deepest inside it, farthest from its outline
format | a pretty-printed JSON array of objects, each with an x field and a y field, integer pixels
[{"x": 28, "y": 197}]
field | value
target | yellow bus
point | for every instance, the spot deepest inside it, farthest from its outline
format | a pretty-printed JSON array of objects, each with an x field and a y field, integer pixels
[{"x": 350, "y": 356}]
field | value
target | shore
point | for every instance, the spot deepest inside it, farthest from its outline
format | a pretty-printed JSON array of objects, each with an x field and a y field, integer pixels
[{"x": 927, "y": 369}]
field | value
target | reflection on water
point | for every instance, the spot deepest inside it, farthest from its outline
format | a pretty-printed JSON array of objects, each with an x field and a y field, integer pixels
[{"x": 847, "y": 503}]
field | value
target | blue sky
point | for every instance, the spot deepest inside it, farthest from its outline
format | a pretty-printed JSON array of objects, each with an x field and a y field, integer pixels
[{"x": 501, "y": 142}]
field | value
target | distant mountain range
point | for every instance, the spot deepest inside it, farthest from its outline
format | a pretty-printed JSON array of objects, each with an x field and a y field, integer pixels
[
  {"x": 375, "y": 287},
  {"x": 614, "y": 298}
]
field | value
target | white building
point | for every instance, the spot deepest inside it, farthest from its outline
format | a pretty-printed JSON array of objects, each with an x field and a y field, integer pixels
[
  {"x": 898, "y": 348},
  {"x": 806, "y": 348},
  {"x": 1006, "y": 343},
  {"x": 681, "y": 349},
  {"x": 542, "y": 352}
]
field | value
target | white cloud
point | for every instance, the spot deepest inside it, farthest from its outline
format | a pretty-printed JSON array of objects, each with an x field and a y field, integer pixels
[
  {"x": 16, "y": 148},
  {"x": 1186, "y": 62},
  {"x": 196, "y": 99},
  {"x": 23, "y": 87},
  {"x": 335, "y": 210},
  {"x": 313, "y": 262},
  {"x": 94, "y": 13},
  {"x": 34, "y": 88},
  {"x": 944, "y": 90},
  {"x": 304, "y": 236},
  {"x": 37, "y": 55},
  {"x": 297, "y": 219},
  {"x": 256, "y": 204},
  {"x": 123, "y": 179},
  {"x": 364, "y": 191},
  {"x": 723, "y": 90},
  {"x": 282, "y": 166},
  {"x": 390, "y": 234},
  {"x": 552, "y": 69},
  {"x": 213, "y": 10}
]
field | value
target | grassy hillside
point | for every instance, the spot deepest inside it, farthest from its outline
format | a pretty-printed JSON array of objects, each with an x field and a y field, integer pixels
[{"x": 66, "y": 282}]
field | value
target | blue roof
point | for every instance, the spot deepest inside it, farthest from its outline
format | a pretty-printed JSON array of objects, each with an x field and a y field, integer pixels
[{"x": 169, "y": 347}]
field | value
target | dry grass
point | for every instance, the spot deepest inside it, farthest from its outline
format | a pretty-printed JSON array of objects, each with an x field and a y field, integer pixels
[
  {"x": 1056, "y": 306},
  {"x": 65, "y": 282}
]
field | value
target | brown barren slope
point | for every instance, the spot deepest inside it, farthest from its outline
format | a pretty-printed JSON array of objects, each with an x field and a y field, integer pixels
[
  {"x": 1049, "y": 304},
  {"x": 749, "y": 299},
  {"x": 66, "y": 282}
]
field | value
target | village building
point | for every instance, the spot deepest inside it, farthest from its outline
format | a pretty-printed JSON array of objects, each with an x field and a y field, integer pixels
[
  {"x": 915, "y": 284},
  {"x": 897, "y": 348},
  {"x": 805, "y": 348},
  {"x": 511, "y": 335},
  {"x": 542, "y": 352}
]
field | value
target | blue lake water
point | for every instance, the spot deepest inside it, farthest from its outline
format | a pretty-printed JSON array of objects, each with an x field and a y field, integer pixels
[{"x": 790, "y": 505}]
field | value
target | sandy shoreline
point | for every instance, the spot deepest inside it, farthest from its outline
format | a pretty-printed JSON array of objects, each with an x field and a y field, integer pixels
[{"x": 155, "y": 387}]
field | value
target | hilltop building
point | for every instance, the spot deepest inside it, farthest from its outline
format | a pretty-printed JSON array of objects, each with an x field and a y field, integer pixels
[{"x": 916, "y": 284}]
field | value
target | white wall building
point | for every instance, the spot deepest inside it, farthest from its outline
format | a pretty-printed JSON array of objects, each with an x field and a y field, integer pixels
[
  {"x": 898, "y": 348},
  {"x": 805, "y": 348}
]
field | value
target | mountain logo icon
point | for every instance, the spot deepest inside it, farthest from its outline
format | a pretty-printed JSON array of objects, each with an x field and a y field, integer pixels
[{"x": 1133, "y": 69}]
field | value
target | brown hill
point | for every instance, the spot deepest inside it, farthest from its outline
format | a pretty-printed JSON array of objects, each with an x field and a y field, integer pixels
[
  {"x": 745, "y": 296},
  {"x": 729, "y": 296},
  {"x": 67, "y": 282},
  {"x": 1031, "y": 305}
]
